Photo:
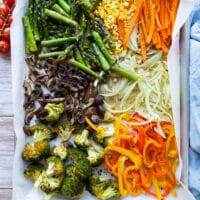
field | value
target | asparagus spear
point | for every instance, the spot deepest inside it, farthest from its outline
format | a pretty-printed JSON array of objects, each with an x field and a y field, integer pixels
[
  {"x": 58, "y": 9},
  {"x": 58, "y": 41},
  {"x": 78, "y": 56},
  {"x": 66, "y": 52},
  {"x": 104, "y": 63},
  {"x": 60, "y": 54},
  {"x": 61, "y": 18},
  {"x": 102, "y": 46},
  {"x": 64, "y": 5},
  {"x": 50, "y": 54},
  {"x": 31, "y": 46},
  {"x": 124, "y": 73},
  {"x": 85, "y": 68}
]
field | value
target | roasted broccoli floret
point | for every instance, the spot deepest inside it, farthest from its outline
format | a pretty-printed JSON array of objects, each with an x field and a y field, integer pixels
[
  {"x": 36, "y": 151},
  {"x": 64, "y": 130},
  {"x": 33, "y": 171},
  {"x": 54, "y": 111},
  {"x": 107, "y": 132},
  {"x": 76, "y": 154},
  {"x": 95, "y": 154},
  {"x": 103, "y": 188},
  {"x": 107, "y": 141},
  {"x": 81, "y": 168},
  {"x": 40, "y": 132},
  {"x": 48, "y": 184},
  {"x": 82, "y": 140},
  {"x": 72, "y": 186},
  {"x": 55, "y": 166},
  {"x": 60, "y": 151}
]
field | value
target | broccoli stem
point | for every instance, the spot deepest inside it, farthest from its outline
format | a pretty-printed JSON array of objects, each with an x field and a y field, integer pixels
[
  {"x": 31, "y": 46},
  {"x": 124, "y": 73},
  {"x": 64, "y": 5},
  {"x": 60, "y": 10},
  {"x": 60, "y": 18},
  {"x": 85, "y": 68},
  {"x": 102, "y": 46},
  {"x": 104, "y": 63},
  {"x": 58, "y": 41},
  {"x": 50, "y": 54}
]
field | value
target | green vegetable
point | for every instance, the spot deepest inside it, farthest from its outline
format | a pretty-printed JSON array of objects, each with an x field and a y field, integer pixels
[
  {"x": 54, "y": 111},
  {"x": 55, "y": 166},
  {"x": 60, "y": 10},
  {"x": 76, "y": 154},
  {"x": 101, "y": 135},
  {"x": 36, "y": 151},
  {"x": 102, "y": 188},
  {"x": 50, "y": 54},
  {"x": 61, "y": 152},
  {"x": 32, "y": 16},
  {"x": 102, "y": 46},
  {"x": 33, "y": 171},
  {"x": 95, "y": 154},
  {"x": 89, "y": 5},
  {"x": 64, "y": 5},
  {"x": 107, "y": 141},
  {"x": 40, "y": 132},
  {"x": 72, "y": 187},
  {"x": 66, "y": 52},
  {"x": 82, "y": 140},
  {"x": 64, "y": 130},
  {"x": 78, "y": 56},
  {"x": 31, "y": 46},
  {"x": 48, "y": 184},
  {"x": 58, "y": 41},
  {"x": 104, "y": 63},
  {"x": 82, "y": 169},
  {"x": 124, "y": 73},
  {"x": 61, "y": 18},
  {"x": 84, "y": 68}
]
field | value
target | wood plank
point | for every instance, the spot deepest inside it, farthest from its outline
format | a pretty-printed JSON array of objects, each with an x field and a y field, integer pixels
[
  {"x": 6, "y": 166},
  {"x": 5, "y": 194},
  {"x": 7, "y": 137},
  {"x": 5, "y": 86}
]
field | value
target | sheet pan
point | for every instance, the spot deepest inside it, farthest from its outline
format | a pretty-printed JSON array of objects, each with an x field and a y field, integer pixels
[{"x": 23, "y": 189}]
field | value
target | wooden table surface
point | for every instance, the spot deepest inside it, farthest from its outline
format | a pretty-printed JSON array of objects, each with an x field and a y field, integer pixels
[{"x": 7, "y": 136}]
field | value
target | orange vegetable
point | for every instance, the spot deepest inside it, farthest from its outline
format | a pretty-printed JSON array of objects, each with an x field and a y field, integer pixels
[
  {"x": 141, "y": 159},
  {"x": 157, "y": 19}
]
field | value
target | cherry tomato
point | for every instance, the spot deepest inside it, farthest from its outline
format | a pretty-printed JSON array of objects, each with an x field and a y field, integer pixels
[
  {"x": 6, "y": 34},
  {"x": 10, "y": 3},
  {"x": 1, "y": 22},
  {"x": 10, "y": 19},
  {"x": 4, "y": 47},
  {"x": 4, "y": 10}
]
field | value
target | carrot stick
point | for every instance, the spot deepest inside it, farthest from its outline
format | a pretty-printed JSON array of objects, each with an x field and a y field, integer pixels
[
  {"x": 144, "y": 29},
  {"x": 146, "y": 14},
  {"x": 152, "y": 18},
  {"x": 121, "y": 29},
  {"x": 142, "y": 44},
  {"x": 134, "y": 20}
]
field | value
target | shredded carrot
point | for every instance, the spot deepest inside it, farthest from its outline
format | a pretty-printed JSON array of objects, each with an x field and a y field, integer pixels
[
  {"x": 121, "y": 30},
  {"x": 134, "y": 20},
  {"x": 157, "y": 18},
  {"x": 152, "y": 22}
]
